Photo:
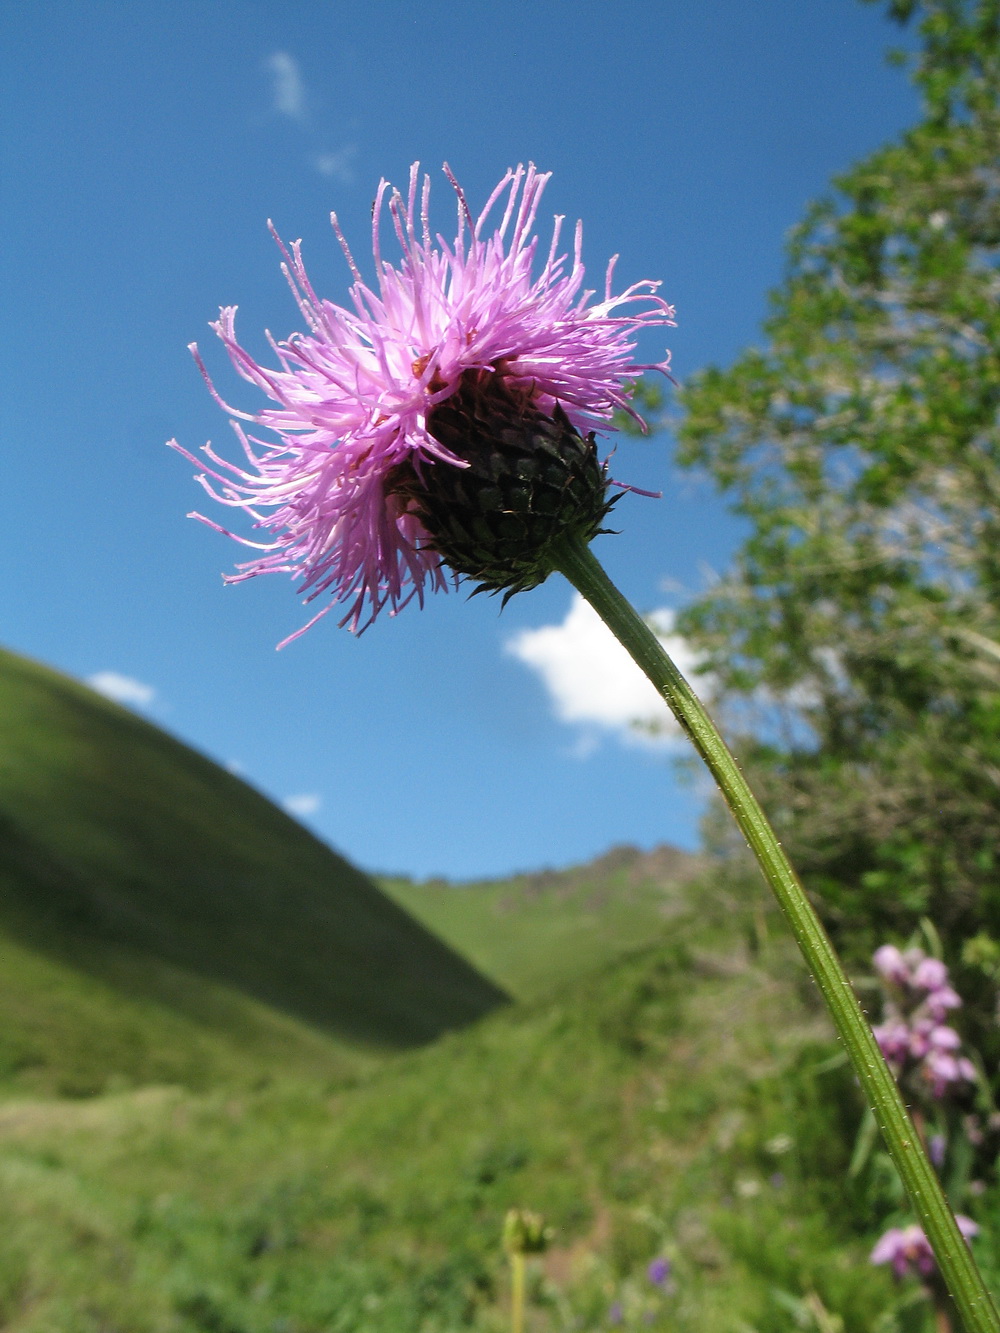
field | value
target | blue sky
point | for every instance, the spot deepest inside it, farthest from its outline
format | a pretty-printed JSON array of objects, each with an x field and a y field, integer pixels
[{"x": 147, "y": 145}]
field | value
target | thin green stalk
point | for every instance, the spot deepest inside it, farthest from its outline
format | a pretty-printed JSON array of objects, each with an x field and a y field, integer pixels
[
  {"x": 517, "y": 1266},
  {"x": 954, "y": 1257}
]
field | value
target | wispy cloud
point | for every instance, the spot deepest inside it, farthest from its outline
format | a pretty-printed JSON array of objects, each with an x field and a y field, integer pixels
[
  {"x": 123, "y": 689},
  {"x": 290, "y": 97},
  {"x": 303, "y": 805},
  {"x": 288, "y": 90},
  {"x": 337, "y": 165},
  {"x": 592, "y": 682}
]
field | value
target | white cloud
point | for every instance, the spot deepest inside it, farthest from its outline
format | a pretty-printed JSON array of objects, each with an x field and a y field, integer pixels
[
  {"x": 290, "y": 97},
  {"x": 303, "y": 805},
  {"x": 288, "y": 91},
  {"x": 594, "y": 684},
  {"x": 337, "y": 165},
  {"x": 123, "y": 689}
]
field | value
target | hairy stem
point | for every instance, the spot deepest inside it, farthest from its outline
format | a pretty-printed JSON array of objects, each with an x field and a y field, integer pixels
[{"x": 954, "y": 1257}]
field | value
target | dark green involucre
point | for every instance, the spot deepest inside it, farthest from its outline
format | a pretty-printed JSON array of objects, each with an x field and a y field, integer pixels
[{"x": 532, "y": 482}]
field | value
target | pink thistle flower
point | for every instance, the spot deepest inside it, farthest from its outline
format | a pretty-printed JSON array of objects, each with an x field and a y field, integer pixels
[{"x": 353, "y": 395}]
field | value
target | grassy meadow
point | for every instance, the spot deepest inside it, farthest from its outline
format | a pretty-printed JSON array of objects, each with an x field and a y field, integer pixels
[{"x": 193, "y": 1141}]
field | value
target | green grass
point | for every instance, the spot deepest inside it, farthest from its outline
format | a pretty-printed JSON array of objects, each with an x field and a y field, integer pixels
[
  {"x": 119, "y": 1019},
  {"x": 533, "y": 933},
  {"x": 685, "y": 1100},
  {"x": 216, "y": 1115},
  {"x": 118, "y": 842}
]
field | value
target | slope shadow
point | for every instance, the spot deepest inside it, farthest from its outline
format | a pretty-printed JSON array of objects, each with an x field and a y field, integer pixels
[{"x": 112, "y": 832}]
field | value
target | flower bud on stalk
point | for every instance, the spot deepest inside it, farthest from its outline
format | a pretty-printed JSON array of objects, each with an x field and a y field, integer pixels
[{"x": 525, "y": 1232}]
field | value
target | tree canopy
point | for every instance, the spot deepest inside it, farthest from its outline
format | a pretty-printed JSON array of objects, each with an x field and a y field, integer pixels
[{"x": 856, "y": 640}]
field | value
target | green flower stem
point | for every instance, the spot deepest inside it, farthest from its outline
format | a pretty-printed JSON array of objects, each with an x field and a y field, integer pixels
[
  {"x": 954, "y": 1257},
  {"x": 517, "y": 1267}
]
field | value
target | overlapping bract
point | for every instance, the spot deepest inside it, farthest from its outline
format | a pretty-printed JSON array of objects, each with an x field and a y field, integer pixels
[{"x": 353, "y": 393}]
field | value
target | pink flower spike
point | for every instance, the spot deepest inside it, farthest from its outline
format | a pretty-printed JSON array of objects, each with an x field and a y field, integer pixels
[
  {"x": 930, "y": 974},
  {"x": 944, "y": 1038},
  {"x": 891, "y": 965},
  {"x": 894, "y": 1041},
  {"x": 941, "y": 1069},
  {"x": 938, "y": 1002},
  {"x": 921, "y": 1033},
  {"x": 350, "y": 398}
]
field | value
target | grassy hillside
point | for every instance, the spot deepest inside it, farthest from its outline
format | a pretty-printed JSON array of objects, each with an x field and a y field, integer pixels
[
  {"x": 115, "y": 1018},
  {"x": 127, "y": 855},
  {"x": 533, "y": 933},
  {"x": 203, "y": 1128},
  {"x": 686, "y": 1101}
]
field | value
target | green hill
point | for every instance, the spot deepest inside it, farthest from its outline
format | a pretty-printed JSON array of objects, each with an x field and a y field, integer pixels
[
  {"x": 129, "y": 864},
  {"x": 686, "y": 1101},
  {"x": 208, "y": 1122},
  {"x": 114, "y": 1018},
  {"x": 533, "y": 933}
]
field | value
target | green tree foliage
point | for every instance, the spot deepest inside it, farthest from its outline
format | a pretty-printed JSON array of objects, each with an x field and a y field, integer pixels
[{"x": 857, "y": 638}]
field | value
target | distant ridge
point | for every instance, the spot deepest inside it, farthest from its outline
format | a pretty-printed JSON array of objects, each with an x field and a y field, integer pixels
[
  {"x": 113, "y": 833},
  {"x": 533, "y": 933}
]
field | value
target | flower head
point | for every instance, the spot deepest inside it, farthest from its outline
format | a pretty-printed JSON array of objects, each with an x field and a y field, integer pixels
[{"x": 359, "y": 400}]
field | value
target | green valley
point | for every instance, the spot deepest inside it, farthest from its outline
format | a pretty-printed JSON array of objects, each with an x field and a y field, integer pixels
[{"x": 244, "y": 1091}]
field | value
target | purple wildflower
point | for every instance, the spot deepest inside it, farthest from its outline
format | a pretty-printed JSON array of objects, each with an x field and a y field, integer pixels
[
  {"x": 908, "y": 1250},
  {"x": 893, "y": 1038},
  {"x": 658, "y": 1272},
  {"x": 353, "y": 394},
  {"x": 930, "y": 974},
  {"x": 616, "y": 1314},
  {"x": 891, "y": 965},
  {"x": 913, "y": 1036},
  {"x": 941, "y": 1067},
  {"x": 939, "y": 1001}
]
